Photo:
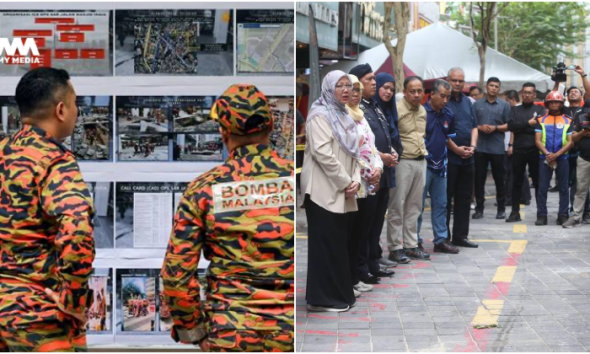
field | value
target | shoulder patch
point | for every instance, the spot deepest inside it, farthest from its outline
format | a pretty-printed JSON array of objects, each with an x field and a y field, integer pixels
[{"x": 253, "y": 194}]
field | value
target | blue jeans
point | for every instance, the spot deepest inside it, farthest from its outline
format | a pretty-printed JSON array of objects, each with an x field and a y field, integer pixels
[
  {"x": 437, "y": 186},
  {"x": 545, "y": 174}
]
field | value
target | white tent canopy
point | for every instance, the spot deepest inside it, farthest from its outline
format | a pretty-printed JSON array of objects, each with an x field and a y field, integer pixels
[{"x": 431, "y": 51}]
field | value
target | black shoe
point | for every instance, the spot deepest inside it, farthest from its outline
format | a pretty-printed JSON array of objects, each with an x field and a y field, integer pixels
[
  {"x": 446, "y": 247},
  {"x": 586, "y": 219},
  {"x": 399, "y": 257},
  {"x": 416, "y": 253},
  {"x": 514, "y": 217},
  {"x": 525, "y": 202},
  {"x": 420, "y": 246},
  {"x": 501, "y": 215},
  {"x": 554, "y": 189},
  {"x": 541, "y": 221},
  {"x": 369, "y": 279},
  {"x": 561, "y": 219},
  {"x": 383, "y": 273},
  {"x": 477, "y": 215},
  {"x": 465, "y": 243}
]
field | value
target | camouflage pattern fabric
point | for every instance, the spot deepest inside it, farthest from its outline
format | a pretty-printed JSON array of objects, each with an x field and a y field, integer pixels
[
  {"x": 251, "y": 341},
  {"x": 45, "y": 239},
  {"x": 242, "y": 110},
  {"x": 241, "y": 215}
]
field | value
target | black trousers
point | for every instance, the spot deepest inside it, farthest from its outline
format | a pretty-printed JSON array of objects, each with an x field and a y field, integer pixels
[
  {"x": 481, "y": 173},
  {"x": 360, "y": 233},
  {"x": 459, "y": 187},
  {"x": 519, "y": 164},
  {"x": 508, "y": 178},
  {"x": 370, "y": 251},
  {"x": 328, "y": 270}
]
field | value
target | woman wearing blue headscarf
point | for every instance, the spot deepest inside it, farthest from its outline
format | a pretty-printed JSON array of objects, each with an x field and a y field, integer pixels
[{"x": 385, "y": 97}]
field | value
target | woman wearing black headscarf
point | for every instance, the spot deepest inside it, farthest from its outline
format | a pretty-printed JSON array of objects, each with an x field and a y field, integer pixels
[{"x": 385, "y": 97}]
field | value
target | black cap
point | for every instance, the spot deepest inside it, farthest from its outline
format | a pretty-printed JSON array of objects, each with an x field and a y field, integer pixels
[{"x": 361, "y": 70}]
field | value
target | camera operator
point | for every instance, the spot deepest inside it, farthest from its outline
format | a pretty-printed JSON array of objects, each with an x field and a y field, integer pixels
[
  {"x": 574, "y": 98},
  {"x": 581, "y": 138}
]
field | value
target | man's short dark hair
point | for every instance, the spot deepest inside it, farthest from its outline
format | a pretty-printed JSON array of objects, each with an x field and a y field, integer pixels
[
  {"x": 473, "y": 88},
  {"x": 529, "y": 84},
  {"x": 40, "y": 89},
  {"x": 493, "y": 79},
  {"x": 567, "y": 93},
  {"x": 412, "y": 78},
  {"x": 512, "y": 95}
]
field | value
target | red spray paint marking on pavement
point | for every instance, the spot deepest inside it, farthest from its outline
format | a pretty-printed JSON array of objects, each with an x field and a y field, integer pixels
[
  {"x": 377, "y": 306},
  {"x": 349, "y": 335},
  {"x": 401, "y": 286},
  {"x": 320, "y": 333},
  {"x": 322, "y": 316},
  {"x": 493, "y": 292},
  {"x": 421, "y": 265}
]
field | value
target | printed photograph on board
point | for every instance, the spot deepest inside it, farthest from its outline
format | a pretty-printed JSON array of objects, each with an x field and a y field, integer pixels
[
  {"x": 92, "y": 138},
  {"x": 100, "y": 314},
  {"x": 103, "y": 199},
  {"x": 9, "y": 116},
  {"x": 283, "y": 134},
  {"x": 136, "y": 305},
  {"x": 265, "y": 42},
  {"x": 174, "y": 42}
]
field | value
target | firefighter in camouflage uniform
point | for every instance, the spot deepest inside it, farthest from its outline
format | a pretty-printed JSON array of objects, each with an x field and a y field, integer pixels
[
  {"x": 46, "y": 244},
  {"x": 241, "y": 215}
]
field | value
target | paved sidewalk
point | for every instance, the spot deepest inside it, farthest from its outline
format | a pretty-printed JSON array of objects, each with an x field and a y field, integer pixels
[{"x": 526, "y": 288}]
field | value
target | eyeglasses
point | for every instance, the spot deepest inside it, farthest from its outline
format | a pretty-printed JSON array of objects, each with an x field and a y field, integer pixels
[
  {"x": 342, "y": 87},
  {"x": 356, "y": 90}
]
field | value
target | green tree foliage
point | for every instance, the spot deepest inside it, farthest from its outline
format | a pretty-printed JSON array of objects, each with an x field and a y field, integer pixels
[{"x": 534, "y": 33}]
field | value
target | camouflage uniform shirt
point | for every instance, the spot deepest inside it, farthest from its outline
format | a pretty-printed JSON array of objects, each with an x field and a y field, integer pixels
[
  {"x": 45, "y": 229},
  {"x": 241, "y": 215}
]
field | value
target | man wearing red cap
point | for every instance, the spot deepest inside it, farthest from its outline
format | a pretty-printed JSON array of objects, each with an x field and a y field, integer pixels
[
  {"x": 241, "y": 215},
  {"x": 553, "y": 137}
]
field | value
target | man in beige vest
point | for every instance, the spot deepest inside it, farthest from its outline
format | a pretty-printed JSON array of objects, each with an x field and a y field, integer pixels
[{"x": 405, "y": 201}]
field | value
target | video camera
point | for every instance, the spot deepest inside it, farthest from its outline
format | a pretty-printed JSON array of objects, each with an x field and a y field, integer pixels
[{"x": 559, "y": 72}]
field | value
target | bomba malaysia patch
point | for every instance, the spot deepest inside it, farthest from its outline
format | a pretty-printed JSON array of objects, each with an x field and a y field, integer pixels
[{"x": 254, "y": 194}]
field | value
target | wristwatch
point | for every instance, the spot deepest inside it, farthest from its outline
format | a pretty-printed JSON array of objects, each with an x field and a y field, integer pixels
[
  {"x": 583, "y": 76},
  {"x": 510, "y": 145}
]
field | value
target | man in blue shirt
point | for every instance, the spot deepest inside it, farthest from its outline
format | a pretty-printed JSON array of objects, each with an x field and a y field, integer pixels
[
  {"x": 492, "y": 115},
  {"x": 440, "y": 126},
  {"x": 460, "y": 169}
]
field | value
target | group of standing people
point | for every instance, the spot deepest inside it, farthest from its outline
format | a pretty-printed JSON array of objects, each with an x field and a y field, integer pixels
[{"x": 370, "y": 161}]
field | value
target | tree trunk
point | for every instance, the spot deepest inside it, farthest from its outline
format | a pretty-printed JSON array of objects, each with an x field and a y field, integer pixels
[{"x": 402, "y": 17}]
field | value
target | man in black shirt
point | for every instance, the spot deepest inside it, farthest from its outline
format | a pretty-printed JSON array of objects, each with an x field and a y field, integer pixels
[
  {"x": 581, "y": 138},
  {"x": 522, "y": 123}
]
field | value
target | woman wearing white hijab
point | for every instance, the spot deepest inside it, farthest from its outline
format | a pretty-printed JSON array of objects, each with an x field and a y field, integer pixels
[{"x": 330, "y": 180}]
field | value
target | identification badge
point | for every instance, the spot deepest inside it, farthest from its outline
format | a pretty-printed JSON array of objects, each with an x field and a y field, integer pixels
[
  {"x": 362, "y": 106},
  {"x": 254, "y": 194}
]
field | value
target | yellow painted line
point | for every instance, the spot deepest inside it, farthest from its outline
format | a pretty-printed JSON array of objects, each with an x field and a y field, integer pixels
[
  {"x": 300, "y": 236},
  {"x": 518, "y": 246},
  {"x": 519, "y": 229},
  {"x": 300, "y": 147},
  {"x": 298, "y": 171},
  {"x": 504, "y": 274},
  {"x": 522, "y": 214},
  {"x": 488, "y": 313}
]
